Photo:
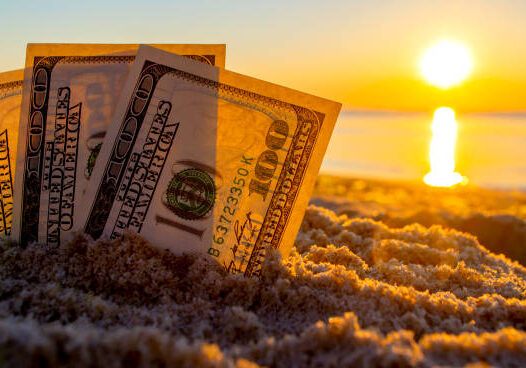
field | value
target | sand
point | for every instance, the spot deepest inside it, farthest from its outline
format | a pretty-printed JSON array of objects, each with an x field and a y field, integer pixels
[{"x": 365, "y": 285}]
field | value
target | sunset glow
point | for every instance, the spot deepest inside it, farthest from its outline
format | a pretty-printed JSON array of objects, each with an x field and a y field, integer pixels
[
  {"x": 446, "y": 64},
  {"x": 442, "y": 150}
]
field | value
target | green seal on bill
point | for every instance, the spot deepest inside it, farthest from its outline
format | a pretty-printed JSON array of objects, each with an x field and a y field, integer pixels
[{"x": 191, "y": 194}]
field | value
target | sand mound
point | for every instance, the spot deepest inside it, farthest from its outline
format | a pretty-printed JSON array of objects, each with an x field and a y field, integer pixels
[
  {"x": 354, "y": 292},
  {"x": 496, "y": 218}
]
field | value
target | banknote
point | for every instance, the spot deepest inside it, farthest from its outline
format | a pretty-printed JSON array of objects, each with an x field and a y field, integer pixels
[
  {"x": 69, "y": 96},
  {"x": 199, "y": 158},
  {"x": 10, "y": 100}
]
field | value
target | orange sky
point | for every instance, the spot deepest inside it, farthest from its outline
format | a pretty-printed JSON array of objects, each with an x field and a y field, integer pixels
[{"x": 364, "y": 54}]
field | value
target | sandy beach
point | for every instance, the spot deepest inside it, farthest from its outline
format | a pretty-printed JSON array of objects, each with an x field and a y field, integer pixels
[{"x": 382, "y": 274}]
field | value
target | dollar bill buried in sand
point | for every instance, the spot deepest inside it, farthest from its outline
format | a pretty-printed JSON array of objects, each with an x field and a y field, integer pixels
[
  {"x": 70, "y": 92},
  {"x": 10, "y": 100},
  {"x": 198, "y": 158}
]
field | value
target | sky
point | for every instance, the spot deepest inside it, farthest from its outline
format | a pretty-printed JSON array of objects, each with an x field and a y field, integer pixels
[{"x": 364, "y": 54}]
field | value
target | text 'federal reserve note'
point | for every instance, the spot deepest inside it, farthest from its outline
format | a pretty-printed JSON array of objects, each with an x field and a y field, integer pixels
[{"x": 202, "y": 159}]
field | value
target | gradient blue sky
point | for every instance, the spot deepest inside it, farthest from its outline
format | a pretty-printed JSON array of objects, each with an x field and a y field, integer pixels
[{"x": 362, "y": 53}]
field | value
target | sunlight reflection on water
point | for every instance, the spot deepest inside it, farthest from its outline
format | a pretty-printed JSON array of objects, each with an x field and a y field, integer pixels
[{"x": 491, "y": 148}]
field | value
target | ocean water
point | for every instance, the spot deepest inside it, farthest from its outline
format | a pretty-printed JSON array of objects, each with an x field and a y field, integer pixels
[{"x": 490, "y": 149}]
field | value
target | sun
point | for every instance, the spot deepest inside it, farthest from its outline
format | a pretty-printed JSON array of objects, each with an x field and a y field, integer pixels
[{"x": 446, "y": 64}]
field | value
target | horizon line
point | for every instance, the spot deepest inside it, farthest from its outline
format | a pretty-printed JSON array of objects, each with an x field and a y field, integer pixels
[{"x": 367, "y": 111}]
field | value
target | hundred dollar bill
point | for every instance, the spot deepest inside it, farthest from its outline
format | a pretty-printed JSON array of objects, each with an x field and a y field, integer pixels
[
  {"x": 70, "y": 92},
  {"x": 198, "y": 158},
  {"x": 10, "y": 100}
]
